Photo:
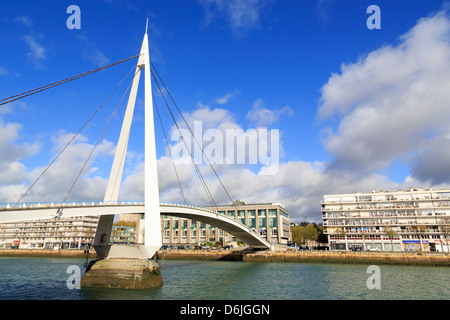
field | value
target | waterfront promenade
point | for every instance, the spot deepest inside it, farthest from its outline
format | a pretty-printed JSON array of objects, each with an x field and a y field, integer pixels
[{"x": 409, "y": 258}]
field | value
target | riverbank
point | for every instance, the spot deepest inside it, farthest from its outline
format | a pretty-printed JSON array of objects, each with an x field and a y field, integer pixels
[
  {"x": 403, "y": 258},
  {"x": 427, "y": 259},
  {"x": 62, "y": 253}
]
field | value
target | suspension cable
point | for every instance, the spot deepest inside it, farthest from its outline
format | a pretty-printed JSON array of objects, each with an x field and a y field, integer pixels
[
  {"x": 76, "y": 134},
  {"x": 57, "y": 83},
  {"x": 202, "y": 180},
  {"x": 95, "y": 146},
  {"x": 209, "y": 162},
  {"x": 168, "y": 147}
]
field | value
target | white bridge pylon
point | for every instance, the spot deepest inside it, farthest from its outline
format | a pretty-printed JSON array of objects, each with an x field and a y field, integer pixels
[{"x": 152, "y": 238}]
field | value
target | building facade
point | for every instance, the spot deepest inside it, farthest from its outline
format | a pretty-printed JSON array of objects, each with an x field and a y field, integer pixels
[
  {"x": 76, "y": 232},
  {"x": 417, "y": 219},
  {"x": 123, "y": 235},
  {"x": 270, "y": 221}
]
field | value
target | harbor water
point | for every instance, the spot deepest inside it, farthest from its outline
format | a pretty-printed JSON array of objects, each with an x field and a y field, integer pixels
[{"x": 50, "y": 279}]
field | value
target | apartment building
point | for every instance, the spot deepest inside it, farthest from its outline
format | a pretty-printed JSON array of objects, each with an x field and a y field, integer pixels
[
  {"x": 417, "y": 219},
  {"x": 76, "y": 232},
  {"x": 123, "y": 235}
]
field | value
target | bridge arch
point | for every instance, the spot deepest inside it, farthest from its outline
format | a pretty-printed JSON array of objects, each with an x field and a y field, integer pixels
[{"x": 227, "y": 224}]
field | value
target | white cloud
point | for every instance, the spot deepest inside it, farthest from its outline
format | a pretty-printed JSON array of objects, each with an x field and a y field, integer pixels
[
  {"x": 241, "y": 15},
  {"x": 225, "y": 98},
  {"x": 91, "y": 53},
  {"x": 37, "y": 52},
  {"x": 264, "y": 117},
  {"x": 390, "y": 102},
  {"x": 12, "y": 171},
  {"x": 55, "y": 183},
  {"x": 24, "y": 20},
  {"x": 323, "y": 8},
  {"x": 3, "y": 71}
]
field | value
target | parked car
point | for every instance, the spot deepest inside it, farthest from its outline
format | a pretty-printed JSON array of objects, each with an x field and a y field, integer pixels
[{"x": 228, "y": 247}]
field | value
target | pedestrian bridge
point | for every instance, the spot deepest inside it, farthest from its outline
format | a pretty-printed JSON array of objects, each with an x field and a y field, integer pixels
[{"x": 36, "y": 211}]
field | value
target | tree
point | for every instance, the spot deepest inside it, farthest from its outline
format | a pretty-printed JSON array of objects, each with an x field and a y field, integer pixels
[
  {"x": 419, "y": 230},
  {"x": 121, "y": 223},
  {"x": 342, "y": 233},
  {"x": 445, "y": 229},
  {"x": 298, "y": 235},
  {"x": 311, "y": 233},
  {"x": 322, "y": 237},
  {"x": 391, "y": 233},
  {"x": 364, "y": 235}
]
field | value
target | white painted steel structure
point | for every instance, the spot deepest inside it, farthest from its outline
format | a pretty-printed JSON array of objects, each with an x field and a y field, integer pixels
[
  {"x": 151, "y": 206},
  {"x": 51, "y": 211},
  {"x": 153, "y": 237}
]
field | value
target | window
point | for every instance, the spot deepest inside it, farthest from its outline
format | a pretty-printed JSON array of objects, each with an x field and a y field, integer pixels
[
  {"x": 231, "y": 213},
  {"x": 284, "y": 214},
  {"x": 273, "y": 222},
  {"x": 262, "y": 222}
]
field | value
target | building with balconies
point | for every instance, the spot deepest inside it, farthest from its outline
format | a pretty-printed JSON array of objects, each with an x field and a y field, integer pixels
[
  {"x": 414, "y": 220},
  {"x": 75, "y": 232}
]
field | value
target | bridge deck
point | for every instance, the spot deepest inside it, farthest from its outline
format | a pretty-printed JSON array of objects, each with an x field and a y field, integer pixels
[{"x": 37, "y": 211}]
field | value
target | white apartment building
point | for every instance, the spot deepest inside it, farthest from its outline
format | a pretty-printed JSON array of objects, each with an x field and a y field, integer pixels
[
  {"x": 75, "y": 232},
  {"x": 414, "y": 220}
]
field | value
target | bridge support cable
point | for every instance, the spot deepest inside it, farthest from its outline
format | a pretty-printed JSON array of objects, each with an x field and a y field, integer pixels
[
  {"x": 202, "y": 180},
  {"x": 190, "y": 130},
  {"x": 168, "y": 147},
  {"x": 98, "y": 140},
  {"x": 75, "y": 135},
  {"x": 57, "y": 83}
]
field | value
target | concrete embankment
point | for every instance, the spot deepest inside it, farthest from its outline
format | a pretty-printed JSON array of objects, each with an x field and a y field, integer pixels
[
  {"x": 430, "y": 259},
  {"x": 404, "y": 258},
  {"x": 63, "y": 253}
]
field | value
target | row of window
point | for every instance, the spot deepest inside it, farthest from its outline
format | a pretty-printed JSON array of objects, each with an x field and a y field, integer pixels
[{"x": 273, "y": 223}]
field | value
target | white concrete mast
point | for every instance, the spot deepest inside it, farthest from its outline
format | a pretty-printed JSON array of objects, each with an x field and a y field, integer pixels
[{"x": 152, "y": 239}]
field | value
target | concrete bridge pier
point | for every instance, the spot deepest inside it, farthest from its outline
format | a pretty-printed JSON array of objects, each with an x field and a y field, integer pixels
[{"x": 126, "y": 267}]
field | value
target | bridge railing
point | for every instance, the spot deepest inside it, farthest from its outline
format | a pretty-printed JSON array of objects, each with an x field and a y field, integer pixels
[
  {"x": 54, "y": 204},
  {"x": 51, "y": 204}
]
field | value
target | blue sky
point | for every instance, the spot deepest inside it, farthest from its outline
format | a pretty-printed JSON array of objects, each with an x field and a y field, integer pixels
[{"x": 312, "y": 66}]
